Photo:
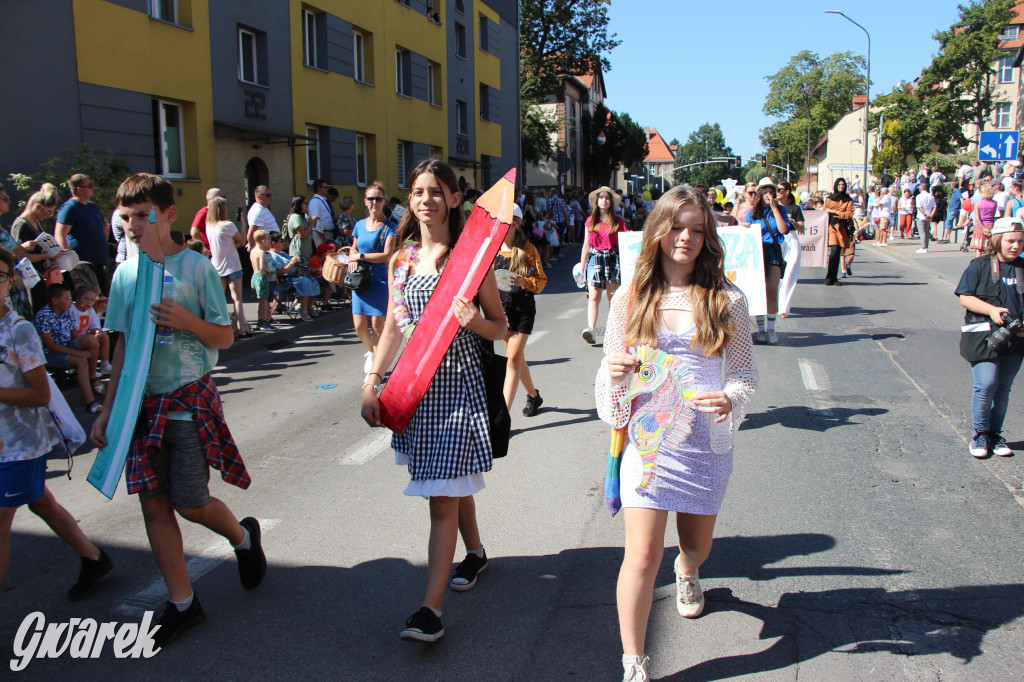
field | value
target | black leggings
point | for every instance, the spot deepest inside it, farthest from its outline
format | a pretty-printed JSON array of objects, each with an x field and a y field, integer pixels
[{"x": 835, "y": 254}]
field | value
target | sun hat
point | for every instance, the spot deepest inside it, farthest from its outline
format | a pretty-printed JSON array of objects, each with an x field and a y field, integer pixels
[
  {"x": 616, "y": 199},
  {"x": 517, "y": 212},
  {"x": 767, "y": 182},
  {"x": 1004, "y": 225}
]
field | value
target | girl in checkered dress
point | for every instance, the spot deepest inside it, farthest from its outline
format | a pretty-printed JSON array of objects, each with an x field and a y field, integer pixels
[{"x": 447, "y": 443}]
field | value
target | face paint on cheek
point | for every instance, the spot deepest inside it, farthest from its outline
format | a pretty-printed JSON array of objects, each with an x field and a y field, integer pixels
[{"x": 152, "y": 216}]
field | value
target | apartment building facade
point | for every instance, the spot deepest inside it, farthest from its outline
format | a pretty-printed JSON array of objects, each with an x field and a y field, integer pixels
[{"x": 277, "y": 92}]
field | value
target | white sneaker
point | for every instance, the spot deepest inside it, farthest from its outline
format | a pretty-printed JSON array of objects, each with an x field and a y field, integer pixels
[
  {"x": 588, "y": 336},
  {"x": 635, "y": 668},
  {"x": 368, "y": 362},
  {"x": 773, "y": 338},
  {"x": 761, "y": 337},
  {"x": 999, "y": 446},
  {"x": 921, "y": 251},
  {"x": 105, "y": 368},
  {"x": 689, "y": 595},
  {"x": 304, "y": 316}
]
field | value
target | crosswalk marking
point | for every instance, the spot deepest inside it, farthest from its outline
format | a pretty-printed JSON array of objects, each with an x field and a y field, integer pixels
[
  {"x": 813, "y": 375},
  {"x": 370, "y": 447},
  {"x": 154, "y": 595},
  {"x": 572, "y": 312},
  {"x": 534, "y": 337}
]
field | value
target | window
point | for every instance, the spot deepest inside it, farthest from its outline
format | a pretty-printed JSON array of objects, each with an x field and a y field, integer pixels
[
  {"x": 404, "y": 157},
  {"x": 461, "y": 118},
  {"x": 361, "y": 171},
  {"x": 485, "y": 103},
  {"x": 483, "y": 34},
  {"x": 312, "y": 24},
  {"x": 1006, "y": 70},
  {"x": 252, "y": 57},
  {"x": 433, "y": 83},
  {"x": 1011, "y": 33},
  {"x": 164, "y": 10},
  {"x": 170, "y": 138},
  {"x": 403, "y": 72},
  {"x": 312, "y": 154},
  {"x": 460, "y": 7},
  {"x": 460, "y": 40},
  {"x": 359, "y": 55},
  {"x": 1003, "y": 116}
]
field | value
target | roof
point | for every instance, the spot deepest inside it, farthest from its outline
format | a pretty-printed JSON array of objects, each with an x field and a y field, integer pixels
[
  {"x": 1017, "y": 19},
  {"x": 657, "y": 149},
  {"x": 817, "y": 145}
]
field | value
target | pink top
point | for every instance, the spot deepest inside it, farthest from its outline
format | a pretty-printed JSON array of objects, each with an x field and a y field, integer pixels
[
  {"x": 987, "y": 211},
  {"x": 601, "y": 240}
]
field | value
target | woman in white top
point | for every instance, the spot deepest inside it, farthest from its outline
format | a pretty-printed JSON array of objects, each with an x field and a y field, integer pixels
[
  {"x": 881, "y": 216},
  {"x": 224, "y": 242}
]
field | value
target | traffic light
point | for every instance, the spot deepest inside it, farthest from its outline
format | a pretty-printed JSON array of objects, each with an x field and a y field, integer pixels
[
  {"x": 739, "y": 162},
  {"x": 764, "y": 162}
]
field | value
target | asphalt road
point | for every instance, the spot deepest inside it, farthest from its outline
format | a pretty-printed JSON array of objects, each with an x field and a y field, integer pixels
[{"x": 858, "y": 539}]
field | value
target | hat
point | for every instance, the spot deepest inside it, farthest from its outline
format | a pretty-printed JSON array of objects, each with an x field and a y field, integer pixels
[
  {"x": 326, "y": 247},
  {"x": 517, "y": 212},
  {"x": 616, "y": 199},
  {"x": 1004, "y": 225},
  {"x": 767, "y": 182},
  {"x": 1015, "y": 163}
]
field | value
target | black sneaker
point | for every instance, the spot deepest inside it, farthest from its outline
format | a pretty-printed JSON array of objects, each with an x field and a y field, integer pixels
[
  {"x": 422, "y": 626},
  {"x": 533, "y": 403},
  {"x": 252, "y": 562},
  {"x": 172, "y": 621},
  {"x": 91, "y": 573},
  {"x": 464, "y": 577}
]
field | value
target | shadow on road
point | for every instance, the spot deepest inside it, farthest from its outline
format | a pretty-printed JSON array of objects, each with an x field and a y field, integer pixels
[
  {"x": 951, "y": 620},
  {"x": 835, "y": 312},
  {"x": 808, "y": 418}
]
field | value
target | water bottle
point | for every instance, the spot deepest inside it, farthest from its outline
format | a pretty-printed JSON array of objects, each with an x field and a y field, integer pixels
[{"x": 166, "y": 334}]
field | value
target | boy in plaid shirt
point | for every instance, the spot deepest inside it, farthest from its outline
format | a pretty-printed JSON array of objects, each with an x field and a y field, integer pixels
[{"x": 183, "y": 433}]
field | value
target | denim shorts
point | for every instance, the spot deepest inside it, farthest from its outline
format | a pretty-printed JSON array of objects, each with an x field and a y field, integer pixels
[
  {"x": 233, "y": 276},
  {"x": 59, "y": 360}
]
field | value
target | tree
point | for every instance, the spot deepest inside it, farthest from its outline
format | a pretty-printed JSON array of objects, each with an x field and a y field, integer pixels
[
  {"x": 625, "y": 144},
  {"x": 705, "y": 143},
  {"x": 924, "y": 122},
  {"x": 893, "y": 154},
  {"x": 106, "y": 171},
  {"x": 537, "y": 129},
  {"x": 810, "y": 95},
  {"x": 559, "y": 37},
  {"x": 960, "y": 83}
]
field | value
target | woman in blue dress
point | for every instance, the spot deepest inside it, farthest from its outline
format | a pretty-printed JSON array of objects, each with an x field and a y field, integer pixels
[{"x": 374, "y": 239}]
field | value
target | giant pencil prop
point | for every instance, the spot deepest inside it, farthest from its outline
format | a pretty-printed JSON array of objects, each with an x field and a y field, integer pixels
[
  {"x": 109, "y": 464},
  {"x": 468, "y": 264}
]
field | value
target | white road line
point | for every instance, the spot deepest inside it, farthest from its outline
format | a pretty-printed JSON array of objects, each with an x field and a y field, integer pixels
[
  {"x": 570, "y": 313},
  {"x": 154, "y": 595},
  {"x": 813, "y": 375},
  {"x": 534, "y": 337},
  {"x": 370, "y": 448}
]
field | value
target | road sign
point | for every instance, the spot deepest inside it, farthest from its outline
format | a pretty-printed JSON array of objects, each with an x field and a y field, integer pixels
[
  {"x": 998, "y": 145},
  {"x": 849, "y": 166}
]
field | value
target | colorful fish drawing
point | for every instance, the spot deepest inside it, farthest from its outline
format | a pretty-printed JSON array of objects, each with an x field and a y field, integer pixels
[{"x": 666, "y": 419}]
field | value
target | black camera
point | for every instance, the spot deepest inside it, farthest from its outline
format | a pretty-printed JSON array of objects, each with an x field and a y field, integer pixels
[{"x": 1001, "y": 337}]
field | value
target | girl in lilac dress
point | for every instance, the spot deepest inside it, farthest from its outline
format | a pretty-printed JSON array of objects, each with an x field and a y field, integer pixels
[{"x": 681, "y": 303}]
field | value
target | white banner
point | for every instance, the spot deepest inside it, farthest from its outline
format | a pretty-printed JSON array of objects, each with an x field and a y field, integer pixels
[
  {"x": 744, "y": 264},
  {"x": 813, "y": 249},
  {"x": 629, "y": 251}
]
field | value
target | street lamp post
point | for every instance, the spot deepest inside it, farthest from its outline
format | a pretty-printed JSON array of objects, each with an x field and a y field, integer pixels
[{"x": 867, "y": 90}]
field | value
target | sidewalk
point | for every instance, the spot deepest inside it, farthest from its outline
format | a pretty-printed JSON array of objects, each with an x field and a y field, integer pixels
[{"x": 945, "y": 260}]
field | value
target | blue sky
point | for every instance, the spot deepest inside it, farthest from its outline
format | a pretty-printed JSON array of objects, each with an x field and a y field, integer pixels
[{"x": 683, "y": 63}]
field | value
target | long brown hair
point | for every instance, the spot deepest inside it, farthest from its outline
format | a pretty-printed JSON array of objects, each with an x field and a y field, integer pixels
[
  {"x": 409, "y": 228},
  {"x": 595, "y": 216},
  {"x": 708, "y": 287}
]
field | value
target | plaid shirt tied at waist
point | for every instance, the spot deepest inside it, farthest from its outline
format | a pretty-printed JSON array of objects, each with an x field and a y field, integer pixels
[{"x": 203, "y": 401}]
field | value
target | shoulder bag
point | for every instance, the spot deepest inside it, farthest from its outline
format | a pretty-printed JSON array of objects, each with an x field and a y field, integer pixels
[{"x": 359, "y": 278}]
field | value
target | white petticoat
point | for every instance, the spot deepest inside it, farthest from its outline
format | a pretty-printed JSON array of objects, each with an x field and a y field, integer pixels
[{"x": 461, "y": 486}]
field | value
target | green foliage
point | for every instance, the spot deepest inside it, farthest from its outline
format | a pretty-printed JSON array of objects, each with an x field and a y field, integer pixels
[
  {"x": 559, "y": 37},
  {"x": 960, "y": 83},
  {"x": 810, "y": 94},
  {"x": 947, "y": 162},
  {"x": 708, "y": 141},
  {"x": 755, "y": 173},
  {"x": 924, "y": 123},
  {"x": 106, "y": 171},
  {"x": 893, "y": 154},
  {"x": 625, "y": 144},
  {"x": 537, "y": 129}
]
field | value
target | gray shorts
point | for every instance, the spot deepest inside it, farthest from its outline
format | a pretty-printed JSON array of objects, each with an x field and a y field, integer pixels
[{"x": 180, "y": 467}]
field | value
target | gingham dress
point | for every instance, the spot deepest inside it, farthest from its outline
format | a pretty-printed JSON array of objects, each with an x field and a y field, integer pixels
[{"x": 448, "y": 436}]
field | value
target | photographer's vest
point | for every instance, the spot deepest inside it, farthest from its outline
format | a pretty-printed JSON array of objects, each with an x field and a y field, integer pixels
[{"x": 977, "y": 328}]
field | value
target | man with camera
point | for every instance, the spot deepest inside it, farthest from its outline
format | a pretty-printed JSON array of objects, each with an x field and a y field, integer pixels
[{"x": 992, "y": 336}]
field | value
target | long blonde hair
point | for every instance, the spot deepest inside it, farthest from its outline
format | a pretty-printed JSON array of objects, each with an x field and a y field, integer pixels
[
  {"x": 46, "y": 196},
  {"x": 708, "y": 287},
  {"x": 520, "y": 261},
  {"x": 216, "y": 210}
]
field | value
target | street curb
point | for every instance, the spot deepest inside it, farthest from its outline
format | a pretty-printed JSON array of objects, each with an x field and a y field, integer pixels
[{"x": 262, "y": 339}]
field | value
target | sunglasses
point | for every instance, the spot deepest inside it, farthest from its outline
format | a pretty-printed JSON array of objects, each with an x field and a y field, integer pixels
[
  {"x": 374, "y": 199},
  {"x": 268, "y": 194}
]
